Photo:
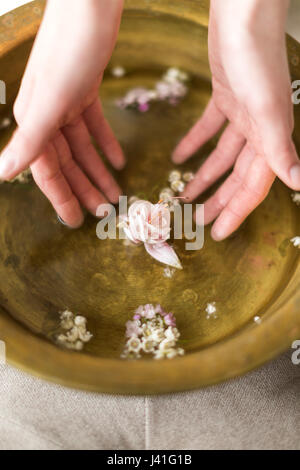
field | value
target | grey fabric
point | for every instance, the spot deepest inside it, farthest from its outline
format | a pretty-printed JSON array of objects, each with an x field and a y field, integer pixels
[{"x": 258, "y": 411}]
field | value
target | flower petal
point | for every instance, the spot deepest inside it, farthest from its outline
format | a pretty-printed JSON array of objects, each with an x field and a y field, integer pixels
[{"x": 164, "y": 253}]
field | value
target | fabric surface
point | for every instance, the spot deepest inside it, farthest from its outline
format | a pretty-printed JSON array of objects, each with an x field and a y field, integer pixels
[{"x": 258, "y": 411}]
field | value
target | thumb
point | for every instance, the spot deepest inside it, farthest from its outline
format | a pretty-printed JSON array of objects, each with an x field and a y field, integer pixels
[{"x": 279, "y": 148}]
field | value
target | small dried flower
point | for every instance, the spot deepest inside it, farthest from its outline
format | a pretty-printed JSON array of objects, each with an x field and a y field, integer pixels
[
  {"x": 172, "y": 334},
  {"x": 61, "y": 338},
  {"x": 73, "y": 335},
  {"x": 158, "y": 309},
  {"x": 178, "y": 186},
  {"x": 149, "y": 311},
  {"x": 78, "y": 346},
  {"x": 169, "y": 272},
  {"x": 148, "y": 345},
  {"x": 5, "y": 123},
  {"x": 296, "y": 198},
  {"x": 66, "y": 315},
  {"x": 76, "y": 332},
  {"x": 188, "y": 176},
  {"x": 130, "y": 355},
  {"x": 171, "y": 88},
  {"x": 118, "y": 72},
  {"x": 168, "y": 191},
  {"x": 134, "y": 344},
  {"x": 168, "y": 353},
  {"x": 171, "y": 353},
  {"x": 23, "y": 178},
  {"x": 169, "y": 319},
  {"x": 140, "y": 310},
  {"x": 174, "y": 175},
  {"x": 174, "y": 74},
  {"x": 180, "y": 351},
  {"x": 158, "y": 335},
  {"x": 296, "y": 241},
  {"x": 167, "y": 195},
  {"x": 166, "y": 344},
  {"x": 211, "y": 310},
  {"x": 144, "y": 107},
  {"x": 171, "y": 91},
  {"x": 80, "y": 321},
  {"x": 147, "y": 330},
  {"x": 85, "y": 336},
  {"x": 154, "y": 335},
  {"x": 133, "y": 328},
  {"x": 67, "y": 320}
]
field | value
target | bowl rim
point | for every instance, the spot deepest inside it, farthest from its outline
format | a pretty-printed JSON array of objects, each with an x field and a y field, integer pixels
[{"x": 233, "y": 356}]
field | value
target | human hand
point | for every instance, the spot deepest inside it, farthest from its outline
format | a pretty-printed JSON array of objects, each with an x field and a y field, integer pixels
[
  {"x": 58, "y": 109},
  {"x": 252, "y": 91}
]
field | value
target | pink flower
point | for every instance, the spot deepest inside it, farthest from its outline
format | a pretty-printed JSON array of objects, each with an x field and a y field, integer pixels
[
  {"x": 174, "y": 90},
  {"x": 159, "y": 309},
  {"x": 150, "y": 224},
  {"x": 149, "y": 311},
  {"x": 133, "y": 328},
  {"x": 144, "y": 107},
  {"x": 170, "y": 320},
  {"x": 140, "y": 310}
]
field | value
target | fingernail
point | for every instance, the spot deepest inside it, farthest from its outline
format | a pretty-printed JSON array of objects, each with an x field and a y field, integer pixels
[
  {"x": 7, "y": 165},
  {"x": 176, "y": 157},
  {"x": 217, "y": 235},
  {"x": 121, "y": 165},
  {"x": 64, "y": 223},
  {"x": 295, "y": 176},
  {"x": 61, "y": 220}
]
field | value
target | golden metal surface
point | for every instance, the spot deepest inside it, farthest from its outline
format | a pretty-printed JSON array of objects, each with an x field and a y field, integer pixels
[{"x": 45, "y": 267}]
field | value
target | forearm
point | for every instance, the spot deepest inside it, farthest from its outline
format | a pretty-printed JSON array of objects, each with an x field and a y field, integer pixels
[
  {"x": 263, "y": 17},
  {"x": 92, "y": 23}
]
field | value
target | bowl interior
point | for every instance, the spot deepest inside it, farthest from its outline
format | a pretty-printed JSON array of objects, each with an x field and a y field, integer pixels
[{"x": 46, "y": 267}]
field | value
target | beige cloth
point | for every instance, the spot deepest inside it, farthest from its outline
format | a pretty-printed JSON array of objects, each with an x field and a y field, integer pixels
[{"x": 258, "y": 411}]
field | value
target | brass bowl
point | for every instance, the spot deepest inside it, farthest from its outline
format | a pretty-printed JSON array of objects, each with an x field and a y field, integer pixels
[{"x": 46, "y": 268}]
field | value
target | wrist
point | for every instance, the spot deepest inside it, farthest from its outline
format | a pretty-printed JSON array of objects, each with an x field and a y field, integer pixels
[
  {"x": 241, "y": 23},
  {"x": 251, "y": 15},
  {"x": 92, "y": 10}
]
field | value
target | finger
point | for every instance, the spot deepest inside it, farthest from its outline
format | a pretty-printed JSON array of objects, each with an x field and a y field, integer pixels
[
  {"x": 103, "y": 134},
  {"x": 220, "y": 160},
  {"x": 216, "y": 203},
  {"x": 251, "y": 193},
  {"x": 279, "y": 148},
  {"x": 25, "y": 146},
  {"x": 51, "y": 181},
  {"x": 208, "y": 125},
  {"x": 88, "y": 159},
  {"x": 82, "y": 188},
  {"x": 24, "y": 97}
]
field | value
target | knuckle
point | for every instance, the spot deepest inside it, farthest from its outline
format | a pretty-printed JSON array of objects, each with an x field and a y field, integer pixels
[{"x": 252, "y": 191}]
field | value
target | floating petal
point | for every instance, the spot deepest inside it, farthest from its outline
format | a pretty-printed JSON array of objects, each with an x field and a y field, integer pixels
[{"x": 164, "y": 253}]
